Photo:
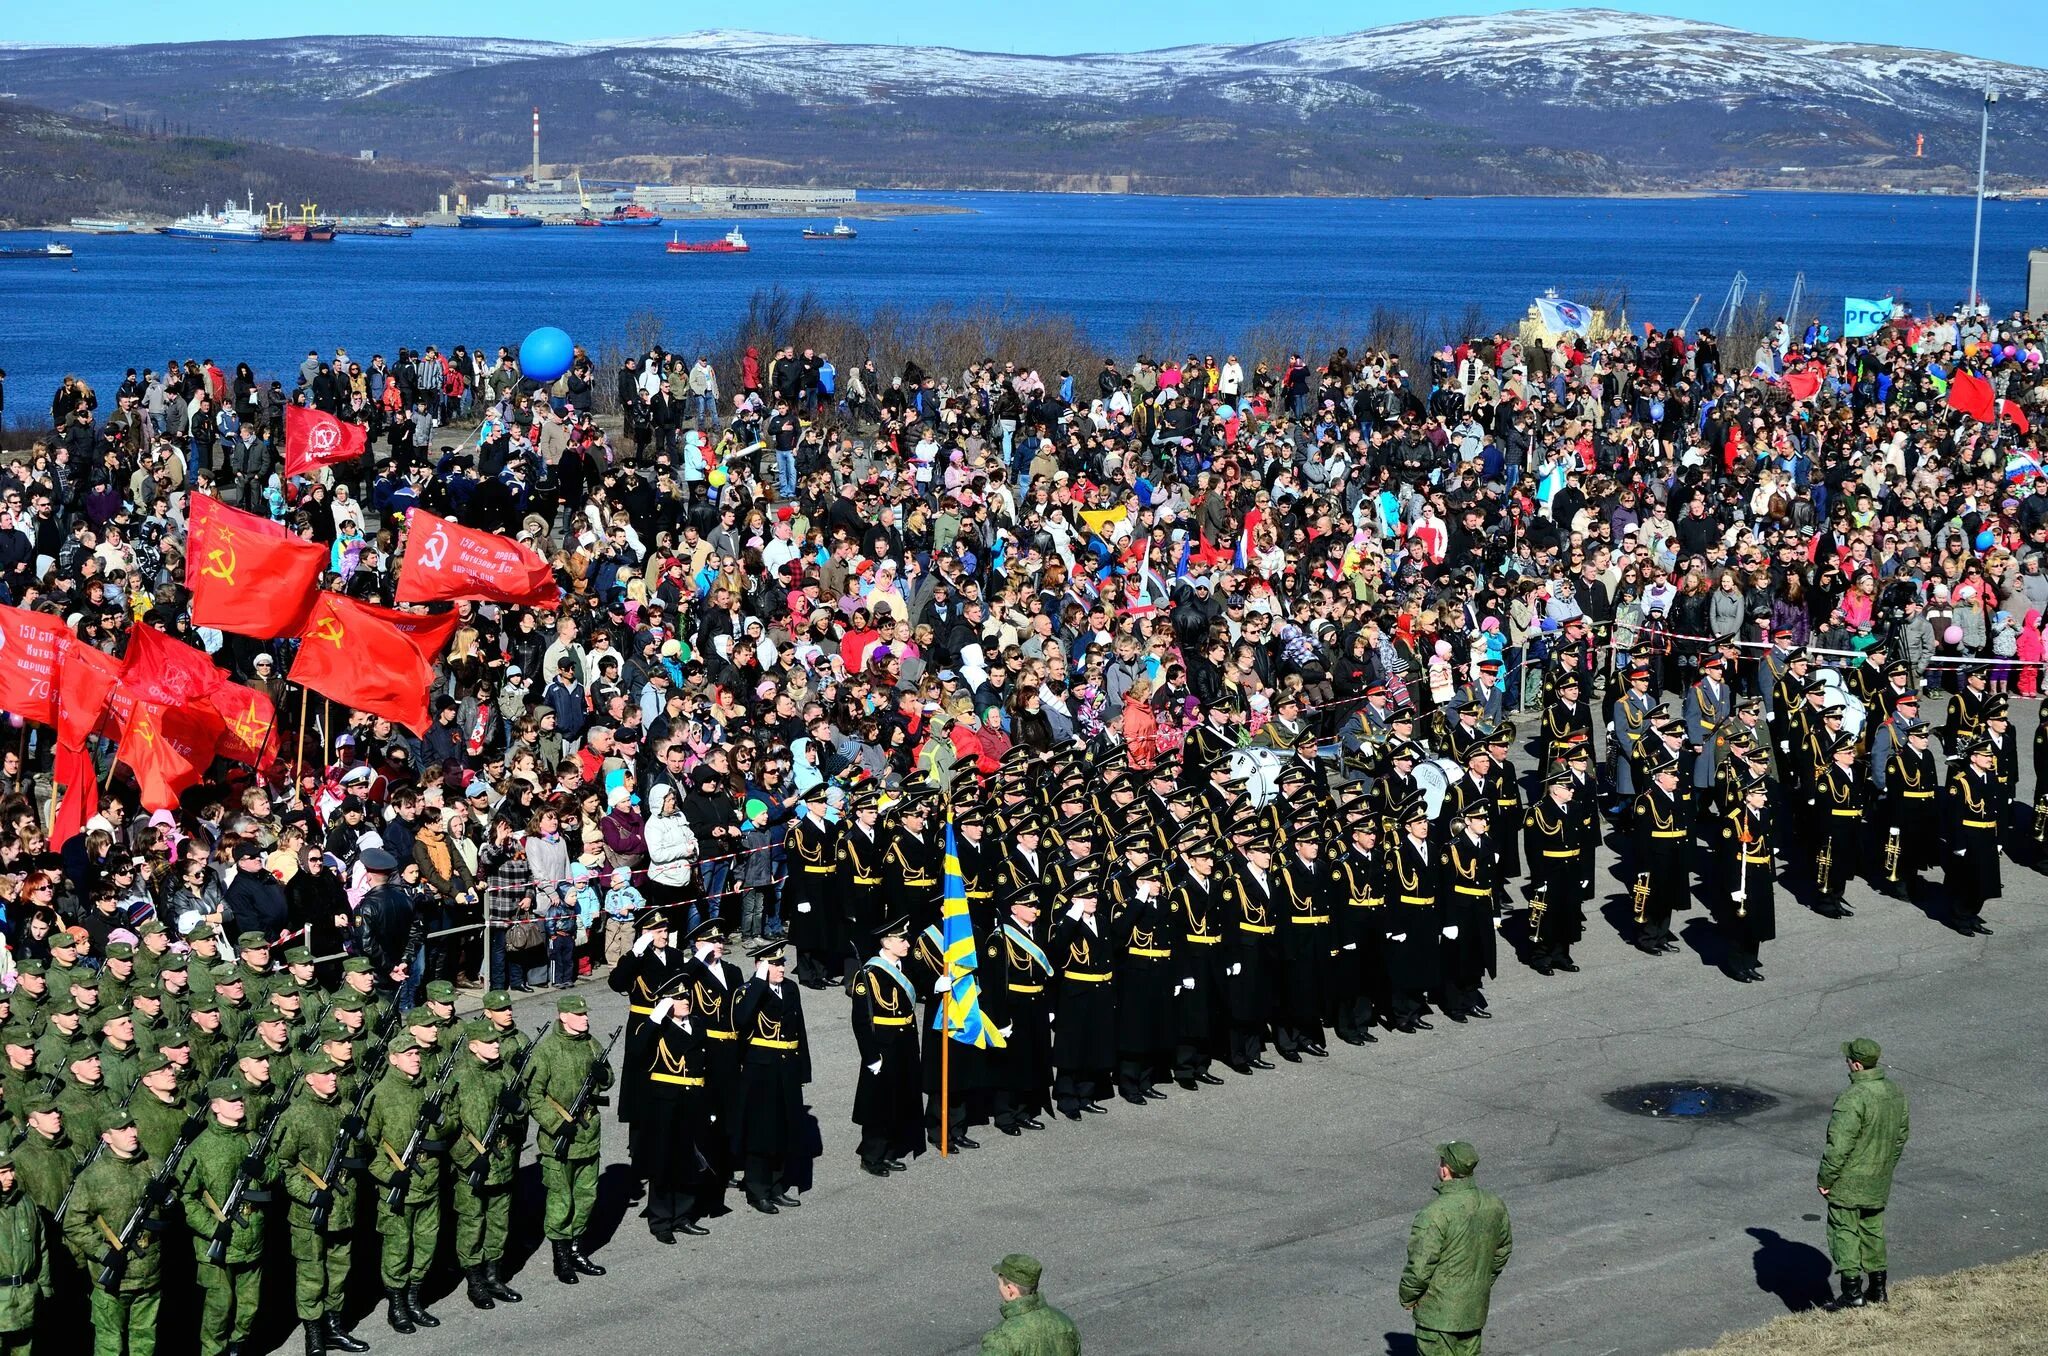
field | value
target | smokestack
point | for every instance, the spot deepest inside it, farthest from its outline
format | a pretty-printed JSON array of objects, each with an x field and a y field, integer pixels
[{"x": 536, "y": 143}]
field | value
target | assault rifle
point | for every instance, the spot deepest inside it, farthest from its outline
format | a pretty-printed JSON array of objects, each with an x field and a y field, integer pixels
[
  {"x": 154, "y": 1193},
  {"x": 586, "y": 1096},
  {"x": 509, "y": 1102},
  {"x": 428, "y": 1119},
  {"x": 246, "y": 1189}
]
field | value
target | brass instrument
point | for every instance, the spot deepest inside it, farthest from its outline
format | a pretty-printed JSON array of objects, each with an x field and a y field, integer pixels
[
  {"x": 1891, "y": 856},
  {"x": 1640, "y": 894},
  {"x": 1537, "y": 907},
  {"x": 1823, "y": 868},
  {"x": 2041, "y": 821}
]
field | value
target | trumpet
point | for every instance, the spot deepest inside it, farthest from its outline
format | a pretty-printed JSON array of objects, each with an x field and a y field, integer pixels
[
  {"x": 1641, "y": 896},
  {"x": 1824, "y": 868},
  {"x": 2041, "y": 821},
  {"x": 1891, "y": 856},
  {"x": 1537, "y": 907}
]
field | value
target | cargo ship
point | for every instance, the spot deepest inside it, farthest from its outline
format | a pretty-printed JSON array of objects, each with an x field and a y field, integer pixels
[
  {"x": 630, "y": 214},
  {"x": 50, "y": 251},
  {"x": 732, "y": 242},
  {"x": 840, "y": 231}
]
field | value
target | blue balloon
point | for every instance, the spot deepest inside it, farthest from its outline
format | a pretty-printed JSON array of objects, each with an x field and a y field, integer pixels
[
  {"x": 546, "y": 354},
  {"x": 1984, "y": 541}
]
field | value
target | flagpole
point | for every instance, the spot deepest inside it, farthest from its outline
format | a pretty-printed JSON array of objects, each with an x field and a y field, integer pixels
[
  {"x": 299, "y": 756},
  {"x": 945, "y": 1079}
]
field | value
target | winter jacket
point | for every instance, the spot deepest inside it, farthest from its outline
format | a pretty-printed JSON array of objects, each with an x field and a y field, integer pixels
[
  {"x": 671, "y": 844},
  {"x": 1866, "y": 1135}
]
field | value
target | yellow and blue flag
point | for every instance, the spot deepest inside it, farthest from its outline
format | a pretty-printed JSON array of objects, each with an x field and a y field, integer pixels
[{"x": 960, "y": 1014}]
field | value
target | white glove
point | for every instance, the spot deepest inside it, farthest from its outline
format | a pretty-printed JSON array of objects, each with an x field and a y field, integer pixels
[
  {"x": 662, "y": 1009},
  {"x": 1784, "y": 746},
  {"x": 1961, "y": 851},
  {"x": 1074, "y": 911},
  {"x": 1739, "y": 896},
  {"x": 1187, "y": 983},
  {"x": 1451, "y": 933},
  {"x": 804, "y": 906},
  {"x": 1006, "y": 1030},
  {"x": 760, "y": 969},
  {"x": 876, "y": 1067},
  {"x": 640, "y": 945},
  {"x": 1351, "y": 946},
  {"x": 1398, "y": 937},
  {"x": 1895, "y": 833},
  {"x": 1237, "y": 968},
  {"x": 942, "y": 986}
]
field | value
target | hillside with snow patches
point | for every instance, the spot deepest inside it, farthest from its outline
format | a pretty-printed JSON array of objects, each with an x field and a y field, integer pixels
[{"x": 1530, "y": 101}]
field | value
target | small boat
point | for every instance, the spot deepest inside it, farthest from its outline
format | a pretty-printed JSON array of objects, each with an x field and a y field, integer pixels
[
  {"x": 502, "y": 221},
  {"x": 586, "y": 221},
  {"x": 51, "y": 251},
  {"x": 630, "y": 214},
  {"x": 394, "y": 222},
  {"x": 732, "y": 242},
  {"x": 840, "y": 231},
  {"x": 102, "y": 226},
  {"x": 230, "y": 223}
]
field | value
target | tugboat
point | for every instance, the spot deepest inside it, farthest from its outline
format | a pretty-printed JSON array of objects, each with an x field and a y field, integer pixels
[
  {"x": 51, "y": 251},
  {"x": 231, "y": 223},
  {"x": 732, "y": 242},
  {"x": 840, "y": 231}
]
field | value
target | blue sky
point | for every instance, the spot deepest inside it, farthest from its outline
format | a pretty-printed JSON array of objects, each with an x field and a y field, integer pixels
[{"x": 1998, "y": 31}]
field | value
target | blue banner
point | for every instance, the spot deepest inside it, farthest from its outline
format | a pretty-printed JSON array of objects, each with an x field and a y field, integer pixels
[{"x": 1860, "y": 317}]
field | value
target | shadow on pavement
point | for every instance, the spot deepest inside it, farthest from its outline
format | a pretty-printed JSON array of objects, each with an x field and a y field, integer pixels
[
  {"x": 1797, "y": 1273},
  {"x": 1401, "y": 1344}
]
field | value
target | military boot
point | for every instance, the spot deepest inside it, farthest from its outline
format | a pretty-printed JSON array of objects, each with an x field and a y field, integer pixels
[
  {"x": 339, "y": 1338},
  {"x": 564, "y": 1272},
  {"x": 1851, "y": 1296},
  {"x": 581, "y": 1262},
  {"x": 496, "y": 1285},
  {"x": 1876, "y": 1293},
  {"x": 316, "y": 1337},
  {"x": 479, "y": 1292},
  {"x": 395, "y": 1312},
  {"x": 417, "y": 1307}
]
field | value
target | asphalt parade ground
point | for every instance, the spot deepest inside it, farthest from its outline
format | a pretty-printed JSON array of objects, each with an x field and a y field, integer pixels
[{"x": 1270, "y": 1215}]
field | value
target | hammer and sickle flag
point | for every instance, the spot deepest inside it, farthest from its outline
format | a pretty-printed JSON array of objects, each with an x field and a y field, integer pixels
[
  {"x": 247, "y": 574},
  {"x": 248, "y": 724},
  {"x": 169, "y": 748},
  {"x": 445, "y": 561},
  {"x": 313, "y": 438},
  {"x": 362, "y": 657}
]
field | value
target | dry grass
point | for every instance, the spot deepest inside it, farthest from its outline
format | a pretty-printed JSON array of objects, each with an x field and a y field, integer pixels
[{"x": 1998, "y": 1310}]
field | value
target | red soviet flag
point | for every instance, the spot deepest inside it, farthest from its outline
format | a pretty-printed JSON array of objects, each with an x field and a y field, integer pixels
[
  {"x": 428, "y": 631},
  {"x": 169, "y": 749},
  {"x": 353, "y": 653},
  {"x": 29, "y": 646},
  {"x": 1972, "y": 395},
  {"x": 86, "y": 678},
  {"x": 248, "y": 723},
  {"x": 445, "y": 561},
  {"x": 247, "y": 574},
  {"x": 78, "y": 793},
  {"x": 313, "y": 438},
  {"x": 159, "y": 669},
  {"x": 2008, "y": 410}
]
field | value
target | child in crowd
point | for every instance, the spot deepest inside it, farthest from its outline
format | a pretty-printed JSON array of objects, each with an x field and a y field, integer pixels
[{"x": 621, "y": 902}]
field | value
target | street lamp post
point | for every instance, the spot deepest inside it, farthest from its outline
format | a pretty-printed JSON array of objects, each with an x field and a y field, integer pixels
[{"x": 1983, "y": 142}]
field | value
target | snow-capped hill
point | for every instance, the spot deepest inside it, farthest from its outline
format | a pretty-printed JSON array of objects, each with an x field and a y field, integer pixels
[{"x": 1538, "y": 101}]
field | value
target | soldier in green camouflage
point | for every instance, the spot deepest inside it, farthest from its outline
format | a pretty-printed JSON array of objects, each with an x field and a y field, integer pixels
[
  {"x": 203, "y": 964},
  {"x": 487, "y": 1131},
  {"x": 66, "y": 1025},
  {"x": 154, "y": 950},
  {"x": 64, "y": 967},
  {"x": 230, "y": 1288},
  {"x": 85, "y": 996},
  {"x": 83, "y": 1098},
  {"x": 253, "y": 949},
  {"x": 47, "y": 1158},
  {"x": 306, "y": 1136},
  {"x": 31, "y": 991},
  {"x": 118, "y": 1052},
  {"x": 356, "y": 975},
  {"x": 568, "y": 1148},
  {"x": 405, "y": 1142},
  {"x": 237, "y": 1013},
  {"x": 25, "y": 1280},
  {"x": 117, "y": 974},
  {"x": 209, "y": 1037},
  {"x": 124, "y": 1313},
  {"x": 146, "y": 1010},
  {"x": 160, "y": 1112}
]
